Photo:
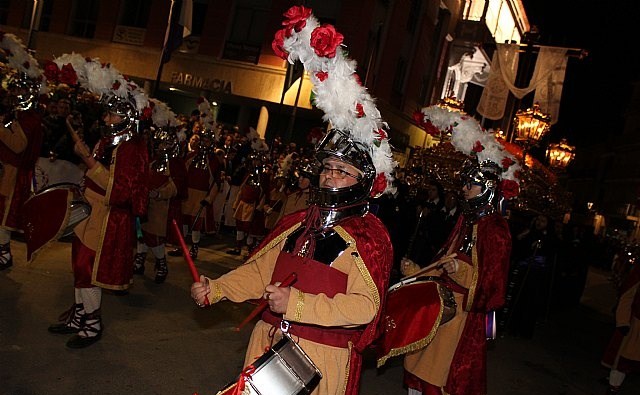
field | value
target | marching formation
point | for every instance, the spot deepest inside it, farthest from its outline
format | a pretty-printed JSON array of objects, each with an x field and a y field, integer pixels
[{"x": 85, "y": 152}]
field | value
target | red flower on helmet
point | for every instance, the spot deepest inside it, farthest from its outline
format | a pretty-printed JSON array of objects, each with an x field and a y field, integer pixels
[
  {"x": 382, "y": 135},
  {"x": 379, "y": 185},
  {"x": 322, "y": 75},
  {"x": 116, "y": 85},
  {"x": 478, "y": 147},
  {"x": 51, "y": 71},
  {"x": 146, "y": 113},
  {"x": 325, "y": 40},
  {"x": 296, "y": 17},
  {"x": 357, "y": 77},
  {"x": 509, "y": 188},
  {"x": 278, "y": 44},
  {"x": 418, "y": 117},
  {"x": 359, "y": 110},
  {"x": 68, "y": 75},
  {"x": 507, "y": 162}
]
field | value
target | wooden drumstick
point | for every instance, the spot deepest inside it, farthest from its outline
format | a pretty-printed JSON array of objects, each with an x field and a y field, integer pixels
[
  {"x": 437, "y": 264},
  {"x": 72, "y": 132}
]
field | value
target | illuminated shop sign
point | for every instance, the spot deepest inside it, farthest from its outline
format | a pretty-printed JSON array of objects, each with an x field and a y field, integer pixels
[{"x": 196, "y": 81}]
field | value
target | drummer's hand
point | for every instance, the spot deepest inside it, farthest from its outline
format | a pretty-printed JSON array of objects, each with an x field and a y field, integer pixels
[
  {"x": 408, "y": 267},
  {"x": 278, "y": 298},
  {"x": 200, "y": 290},
  {"x": 450, "y": 265}
]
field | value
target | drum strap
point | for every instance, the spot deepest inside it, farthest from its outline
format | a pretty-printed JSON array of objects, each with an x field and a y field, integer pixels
[{"x": 455, "y": 287}]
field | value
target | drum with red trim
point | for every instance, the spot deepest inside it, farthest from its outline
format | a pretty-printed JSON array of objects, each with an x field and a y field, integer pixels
[
  {"x": 51, "y": 214},
  {"x": 416, "y": 307},
  {"x": 285, "y": 369}
]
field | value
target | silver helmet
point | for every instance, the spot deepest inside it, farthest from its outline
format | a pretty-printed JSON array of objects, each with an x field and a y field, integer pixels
[
  {"x": 165, "y": 147},
  {"x": 338, "y": 144},
  {"x": 22, "y": 91},
  {"x": 206, "y": 145},
  {"x": 487, "y": 175},
  {"x": 125, "y": 108}
]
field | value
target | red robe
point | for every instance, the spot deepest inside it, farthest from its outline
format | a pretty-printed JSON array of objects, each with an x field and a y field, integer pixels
[
  {"x": 127, "y": 196},
  {"x": 10, "y": 206}
]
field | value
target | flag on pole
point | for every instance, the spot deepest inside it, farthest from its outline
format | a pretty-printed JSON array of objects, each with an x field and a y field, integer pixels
[{"x": 179, "y": 27}]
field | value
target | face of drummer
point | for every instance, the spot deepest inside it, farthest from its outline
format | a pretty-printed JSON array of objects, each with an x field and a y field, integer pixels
[
  {"x": 338, "y": 174},
  {"x": 470, "y": 190},
  {"x": 111, "y": 118}
]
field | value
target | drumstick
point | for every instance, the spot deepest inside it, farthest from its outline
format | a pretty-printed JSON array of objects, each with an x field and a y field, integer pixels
[
  {"x": 291, "y": 278},
  {"x": 187, "y": 257},
  {"x": 72, "y": 132},
  {"x": 437, "y": 264}
]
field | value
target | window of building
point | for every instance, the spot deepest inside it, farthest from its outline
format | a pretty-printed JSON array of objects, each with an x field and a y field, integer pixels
[
  {"x": 4, "y": 11},
  {"x": 247, "y": 32},
  {"x": 84, "y": 14},
  {"x": 134, "y": 13},
  {"x": 199, "y": 15},
  {"x": 45, "y": 16}
]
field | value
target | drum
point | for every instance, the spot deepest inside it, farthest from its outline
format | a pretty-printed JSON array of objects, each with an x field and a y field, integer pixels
[
  {"x": 416, "y": 307},
  {"x": 285, "y": 369},
  {"x": 52, "y": 213}
]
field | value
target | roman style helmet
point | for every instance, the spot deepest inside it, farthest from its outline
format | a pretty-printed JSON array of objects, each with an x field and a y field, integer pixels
[
  {"x": 164, "y": 138},
  {"x": 119, "y": 95},
  {"x": 357, "y": 135},
  {"x": 22, "y": 77},
  {"x": 489, "y": 164}
]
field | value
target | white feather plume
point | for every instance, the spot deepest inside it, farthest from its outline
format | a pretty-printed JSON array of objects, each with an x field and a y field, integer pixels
[{"x": 338, "y": 94}]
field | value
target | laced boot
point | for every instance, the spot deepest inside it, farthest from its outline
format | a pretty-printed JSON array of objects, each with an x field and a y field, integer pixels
[
  {"x": 138, "y": 263},
  {"x": 6, "y": 259},
  {"x": 161, "y": 270},
  {"x": 71, "y": 320},
  {"x": 193, "y": 251},
  {"x": 89, "y": 333}
]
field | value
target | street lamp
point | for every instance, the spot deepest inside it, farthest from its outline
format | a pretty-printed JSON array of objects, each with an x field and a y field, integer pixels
[
  {"x": 531, "y": 125},
  {"x": 560, "y": 154}
]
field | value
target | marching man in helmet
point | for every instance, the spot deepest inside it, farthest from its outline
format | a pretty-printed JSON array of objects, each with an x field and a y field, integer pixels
[
  {"x": 473, "y": 264},
  {"x": 21, "y": 135},
  {"x": 116, "y": 189},
  {"x": 340, "y": 253}
]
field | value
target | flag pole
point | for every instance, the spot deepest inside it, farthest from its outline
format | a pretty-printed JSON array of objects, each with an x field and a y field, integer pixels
[
  {"x": 36, "y": 11},
  {"x": 156, "y": 85}
]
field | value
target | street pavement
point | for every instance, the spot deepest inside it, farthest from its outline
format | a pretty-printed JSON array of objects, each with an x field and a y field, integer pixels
[{"x": 156, "y": 341}]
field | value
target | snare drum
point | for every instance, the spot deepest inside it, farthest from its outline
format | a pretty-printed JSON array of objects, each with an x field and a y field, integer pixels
[
  {"x": 53, "y": 213},
  {"x": 416, "y": 307},
  {"x": 285, "y": 369}
]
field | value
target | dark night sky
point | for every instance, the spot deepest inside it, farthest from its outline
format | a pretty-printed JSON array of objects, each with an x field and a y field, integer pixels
[{"x": 597, "y": 88}]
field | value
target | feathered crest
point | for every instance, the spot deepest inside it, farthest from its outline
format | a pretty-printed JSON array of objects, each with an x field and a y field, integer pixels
[
  {"x": 101, "y": 79},
  {"x": 206, "y": 115},
  {"x": 18, "y": 57},
  {"x": 339, "y": 93},
  {"x": 468, "y": 137},
  {"x": 161, "y": 114}
]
